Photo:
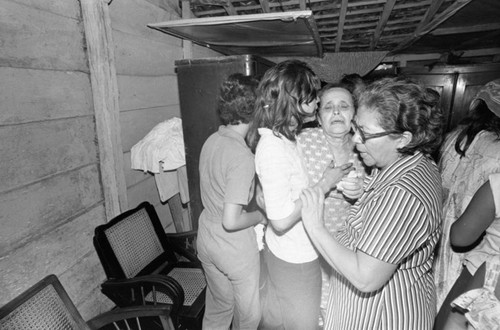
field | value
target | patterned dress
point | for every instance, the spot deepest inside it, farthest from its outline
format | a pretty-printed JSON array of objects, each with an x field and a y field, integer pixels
[
  {"x": 317, "y": 156},
  {"x": 461, "y": 177},
  {"x": 396, "y": 220}
]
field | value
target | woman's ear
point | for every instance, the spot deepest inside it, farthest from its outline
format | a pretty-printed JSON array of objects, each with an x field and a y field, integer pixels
[{"x": 405, "y": 139}]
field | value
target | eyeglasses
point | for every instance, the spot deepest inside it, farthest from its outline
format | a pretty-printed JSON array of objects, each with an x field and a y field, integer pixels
[{"x": 366, "y": 136}]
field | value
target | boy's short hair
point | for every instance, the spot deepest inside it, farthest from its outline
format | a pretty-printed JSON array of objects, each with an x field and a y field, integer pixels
[{"x": 237, "y": 99}]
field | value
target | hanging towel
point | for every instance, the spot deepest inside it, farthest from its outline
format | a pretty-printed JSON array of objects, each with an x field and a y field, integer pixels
[
  {"x": 161, "y": 152},
  {"x": 162, "y": 149}
]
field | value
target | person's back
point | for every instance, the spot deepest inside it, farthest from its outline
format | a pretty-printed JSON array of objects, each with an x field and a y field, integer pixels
[{"x": 227, "y": 246}]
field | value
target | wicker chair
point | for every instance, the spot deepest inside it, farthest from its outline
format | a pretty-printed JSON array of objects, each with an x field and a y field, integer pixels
[
  {"x": 144, "y": 265},
  {"x": 47, "y": 306}
]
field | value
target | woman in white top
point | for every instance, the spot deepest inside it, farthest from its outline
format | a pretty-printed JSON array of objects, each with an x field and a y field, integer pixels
[{"x": 285, "y": 96}]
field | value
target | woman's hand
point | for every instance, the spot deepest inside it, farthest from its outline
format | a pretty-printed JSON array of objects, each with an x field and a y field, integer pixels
[
  {"x": 332, "y": 176},
  {"x": 352, "y": 187},
  {"x": 312, "y": 208}
]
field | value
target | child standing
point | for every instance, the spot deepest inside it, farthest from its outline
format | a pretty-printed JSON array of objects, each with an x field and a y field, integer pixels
[
  {"x": 227, "y": 246},
  {"x": 285, "y": 96}
]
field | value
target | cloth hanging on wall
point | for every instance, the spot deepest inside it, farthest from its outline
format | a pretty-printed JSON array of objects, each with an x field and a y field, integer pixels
[
  {"x": 162, "y": 149},
  {"x": 170, "y": 183},
  {"x": 161, "y": 152}
]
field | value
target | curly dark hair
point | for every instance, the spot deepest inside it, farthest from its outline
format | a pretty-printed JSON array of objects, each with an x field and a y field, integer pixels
[
  {"x": 280, "y": 95},
  {"x": 479, "y": 119},
  {"x": 237, "y": 99},
  {"x": 405, "y": 105}
]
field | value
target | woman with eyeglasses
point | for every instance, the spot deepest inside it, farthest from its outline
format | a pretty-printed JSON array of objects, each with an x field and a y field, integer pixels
[
  {"x": 382, "y": 259},
  {"x": 331, "y": 144}
]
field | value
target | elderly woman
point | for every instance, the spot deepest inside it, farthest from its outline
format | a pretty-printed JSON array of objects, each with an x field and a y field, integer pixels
[
  {"x": 383, "y": 257},
  {"x": 331, "y": 144}
]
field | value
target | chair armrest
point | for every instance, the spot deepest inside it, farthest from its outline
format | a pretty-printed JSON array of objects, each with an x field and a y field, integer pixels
[
  {"x": 184, "y": 244},
  {"x": 133, "y": 315},
  {"x": 133, "y": 291}
]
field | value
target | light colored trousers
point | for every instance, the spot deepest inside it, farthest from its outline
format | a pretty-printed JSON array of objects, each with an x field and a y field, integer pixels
[{"x": 232, "y": 290}]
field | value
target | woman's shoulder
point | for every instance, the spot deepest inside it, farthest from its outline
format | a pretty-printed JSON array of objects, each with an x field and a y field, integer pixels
[
  {"x": 489, "y": 141},
  {"x": 419, "y": 176},
  {"x": 270, "y": 145},
  {"x": 311, "y": 136}
]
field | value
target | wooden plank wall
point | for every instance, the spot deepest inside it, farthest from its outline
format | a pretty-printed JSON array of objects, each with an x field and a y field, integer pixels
[
  {"x": 50, "y": 194},
  {"x": 147, "y": 84}
]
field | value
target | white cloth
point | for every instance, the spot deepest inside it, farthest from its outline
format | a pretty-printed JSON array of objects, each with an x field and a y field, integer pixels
[
  {"x": 161, "y": 149},
  {"x": 170, "y": 183},
  {"x": 481, "y": 305},
  {"x": 278, "y": 164},
  {"x": 162, "y": 153}
]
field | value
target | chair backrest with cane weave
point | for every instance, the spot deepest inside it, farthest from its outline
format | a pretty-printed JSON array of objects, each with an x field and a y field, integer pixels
[
  {"x": 133, "y": 243},
  {"x": 45, "y": 306}
]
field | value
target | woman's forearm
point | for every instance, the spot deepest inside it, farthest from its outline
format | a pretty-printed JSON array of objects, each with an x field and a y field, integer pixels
[
  {"x": 366, "y": 273},
  {"x": 234, "y": 218},
  {"x": 335, "y": 254},
  {"x": 282, "y": 225}
]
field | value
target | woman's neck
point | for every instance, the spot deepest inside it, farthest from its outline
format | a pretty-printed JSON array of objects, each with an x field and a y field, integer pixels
[{"x": 341, "y": 142}]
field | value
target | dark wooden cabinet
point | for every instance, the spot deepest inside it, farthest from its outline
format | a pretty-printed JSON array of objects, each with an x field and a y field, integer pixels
[
  {"x": 199, "y": 81},
  {"x": 457, "y": 86}
]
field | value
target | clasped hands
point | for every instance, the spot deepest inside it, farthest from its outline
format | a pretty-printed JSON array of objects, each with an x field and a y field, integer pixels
[
  {"x": 344, "y": 178},
  {"x": 313, "y": 198}
]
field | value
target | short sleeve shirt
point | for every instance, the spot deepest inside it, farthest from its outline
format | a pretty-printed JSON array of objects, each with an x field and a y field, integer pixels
[
  {"x": 226, "y": 172},
  {"x": 278, "y": 164},
  {"x": 396, "y": 220}
]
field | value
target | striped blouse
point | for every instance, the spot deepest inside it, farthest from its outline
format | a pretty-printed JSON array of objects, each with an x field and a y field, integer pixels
[{"x": 396, "y": 220}]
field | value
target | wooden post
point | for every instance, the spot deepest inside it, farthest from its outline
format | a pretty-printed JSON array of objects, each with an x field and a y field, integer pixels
[
  {"x": 100, "y": 52},
  {"x": 187, "y": 46}
]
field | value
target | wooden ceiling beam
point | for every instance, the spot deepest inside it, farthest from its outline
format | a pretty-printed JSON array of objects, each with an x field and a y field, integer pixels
[
  {"x": 432, "y": 24},
  {"x": 435, "y": 56},
  {"x": 220, "y": 12},
  {"x": 389, "y": 5},
  {"x": 390, "y": 26},
  {"x": 466, "y": 29},
  {"x": 265, "y": 6},
  {"x": 354, "y": 11},
  {"x": 431, "y": 12},
  {"x": 340, "y": 27},
  {"x": 229, "y": 8}
]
